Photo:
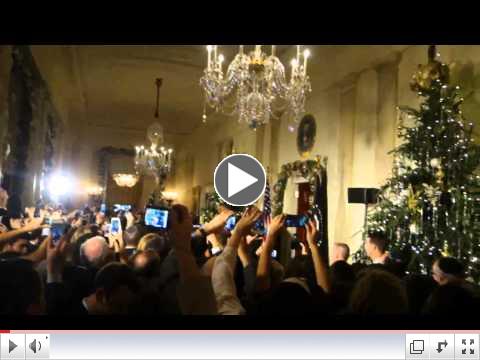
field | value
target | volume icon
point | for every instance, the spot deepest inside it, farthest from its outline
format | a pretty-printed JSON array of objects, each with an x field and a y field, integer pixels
[{"x": 35, "y": 346}]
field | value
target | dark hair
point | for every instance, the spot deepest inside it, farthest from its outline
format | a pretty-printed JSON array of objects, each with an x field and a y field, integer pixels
[
  {"x": 14, "y": 206},
  {"x": 342, "y": 279},
  {"x": 133, "y": 234},
  {"x": 199, "y": 246},
  {"x": 287, "y": 299},
  {"x": 341, "y": 271},
  {"x": 419, "y": 288},
  {"x": 379, "y": 239},
  {"x": 20, "y": 286},
  {"x": 6, "y": 222},
  {"x": 451, "y": 266},
  {"x": 301, "y": 266},
  {"x": 358, "y": 268},
  {"x": 378, "y": 292},
  {"x": 123, "y": 221},
  {"x": 451, "y": 299},
  {"x": 152, "y": 266},
  {"x": 114, "y": 275}
]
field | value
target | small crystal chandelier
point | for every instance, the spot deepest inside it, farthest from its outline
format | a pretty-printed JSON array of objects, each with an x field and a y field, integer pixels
[
  {"x": 155, "y": 159},
  {"x": 125, "y": 180},
  {"x": 256, "y": 84}
]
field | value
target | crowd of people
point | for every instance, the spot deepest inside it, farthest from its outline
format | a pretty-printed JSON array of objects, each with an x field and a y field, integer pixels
[{"x": 206, "y": 270}]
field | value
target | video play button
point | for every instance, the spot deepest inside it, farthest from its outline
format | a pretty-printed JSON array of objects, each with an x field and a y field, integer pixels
[
  {"x": 239, "y": 180},
  {"x": 11, "y": 346}
]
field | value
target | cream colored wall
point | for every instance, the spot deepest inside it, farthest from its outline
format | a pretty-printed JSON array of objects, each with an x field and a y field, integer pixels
[
  {"x": 197, "y": 155},
  {"x": 356, "y": 90}
]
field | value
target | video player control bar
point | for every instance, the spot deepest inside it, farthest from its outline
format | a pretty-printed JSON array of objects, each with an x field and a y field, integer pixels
[{"x": 231, "y": 344}]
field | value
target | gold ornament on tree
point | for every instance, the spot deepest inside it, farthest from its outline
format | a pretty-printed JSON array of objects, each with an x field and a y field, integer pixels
[
  {"x": 427, "y": 74},
  {"x": 412, "y": 199}
]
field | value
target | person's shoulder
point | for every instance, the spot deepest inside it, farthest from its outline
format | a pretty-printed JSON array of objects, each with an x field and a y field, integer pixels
[{"x": 472, "y": 287}]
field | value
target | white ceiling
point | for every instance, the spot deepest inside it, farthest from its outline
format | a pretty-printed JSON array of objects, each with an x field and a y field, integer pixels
[{"x": 118, "y": 84}]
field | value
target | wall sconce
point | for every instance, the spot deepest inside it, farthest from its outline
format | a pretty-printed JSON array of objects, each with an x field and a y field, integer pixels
[
  {"x": 94, "y": 190},
  {"x": 170, "y": 195}
]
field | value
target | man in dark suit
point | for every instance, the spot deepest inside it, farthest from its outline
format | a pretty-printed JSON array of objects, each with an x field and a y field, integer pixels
[{"x": 376, "y": 249}]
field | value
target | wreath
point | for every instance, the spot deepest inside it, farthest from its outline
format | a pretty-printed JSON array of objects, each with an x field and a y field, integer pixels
[{"x": 308, "y": 169}]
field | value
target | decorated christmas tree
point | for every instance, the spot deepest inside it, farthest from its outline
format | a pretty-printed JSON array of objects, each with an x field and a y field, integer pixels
[
  {"x": 429, "y": 206},
  {"x": 212, "y": 200}
]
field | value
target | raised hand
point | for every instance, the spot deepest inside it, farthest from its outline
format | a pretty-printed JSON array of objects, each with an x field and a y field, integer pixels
[
  {"x": 56, "y": 255},
  {"x": 248, "y": 219},
  {"x": 321, "y": 273},
  {"x": 312, "y": 232},
  {"x": 30, "y": 212},
  {"x": 130, "y": 219},
  {"x": 181, "y": 227},
  {"x": 276, "y": 225},
  {"x": 33, "y": 224},
  {"x": 264, "y": 263},
  {"x": 115, "y": 241},
  {"x": 218, "y": 222}
]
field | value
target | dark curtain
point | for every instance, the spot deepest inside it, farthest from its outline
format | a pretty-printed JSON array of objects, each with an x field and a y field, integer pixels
[{"x": 20, "y": 118}]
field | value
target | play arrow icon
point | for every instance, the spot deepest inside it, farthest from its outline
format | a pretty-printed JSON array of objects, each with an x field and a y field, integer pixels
[
  {"x": 238, "y": 180},
  {"x": 11, "y": 346}
]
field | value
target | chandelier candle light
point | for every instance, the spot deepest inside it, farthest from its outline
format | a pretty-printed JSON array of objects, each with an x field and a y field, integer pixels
[
  {"x": 157, "y": 161},
  {"x": 257, "y": 84}
]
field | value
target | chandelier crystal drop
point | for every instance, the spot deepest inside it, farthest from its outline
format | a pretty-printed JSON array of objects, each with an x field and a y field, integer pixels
[{"x": 254, "y": 86}]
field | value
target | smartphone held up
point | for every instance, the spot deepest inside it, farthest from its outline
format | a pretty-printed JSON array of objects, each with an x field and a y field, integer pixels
[{"x": 157, "y": 218}]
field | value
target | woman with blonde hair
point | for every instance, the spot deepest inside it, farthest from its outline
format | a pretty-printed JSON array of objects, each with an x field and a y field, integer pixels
[{"x": 156, "y": 242}]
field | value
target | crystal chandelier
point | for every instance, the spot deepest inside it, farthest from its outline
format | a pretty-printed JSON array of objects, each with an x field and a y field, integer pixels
[
  {"x": 125, "y": 180},
  {"x": 155, "y": 159},
  {"x": 256, "y": 84}
]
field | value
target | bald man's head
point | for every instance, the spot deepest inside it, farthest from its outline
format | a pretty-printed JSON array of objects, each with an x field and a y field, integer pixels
[
  {"x": 341, "y": 252},
  {"x": 146, "y": 263},
  {"x": 95, "y": 252}
]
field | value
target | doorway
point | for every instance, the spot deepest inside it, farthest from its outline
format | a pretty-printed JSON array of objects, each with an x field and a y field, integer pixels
[{"x": 303, "y": 206}]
